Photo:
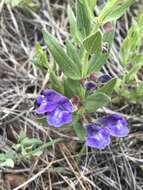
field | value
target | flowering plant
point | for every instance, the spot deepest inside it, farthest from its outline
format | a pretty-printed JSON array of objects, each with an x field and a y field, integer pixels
[
  {"x": 73, "y": 96},
  {"x": 130, "y": 84}
]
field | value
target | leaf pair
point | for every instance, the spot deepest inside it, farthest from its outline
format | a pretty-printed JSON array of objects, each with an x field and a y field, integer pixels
[
  {"x": 114, "y": 9},
  {"x": 65, "y": 62},
  {"x": 98, "y": 59},
  {"x": 80, "y": 26},
  {"x": 100, "y": 98},
  {"x": 132, "y": 61}
]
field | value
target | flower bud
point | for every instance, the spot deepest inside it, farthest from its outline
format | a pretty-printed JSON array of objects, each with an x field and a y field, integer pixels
[
  {"x": 105, "y": 47},
  {"x": 90, "y": 85},
  {"x": 75, "y": 100},
  {"x": 93, "y": 76},
  {"x": 82, "y": 81},
  {"x": 104, "y": 78},
  {"x": 108, "y": 27}
]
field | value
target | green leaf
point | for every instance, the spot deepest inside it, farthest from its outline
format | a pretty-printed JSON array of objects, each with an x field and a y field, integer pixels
[
  {"x": 8, "y": 163},
  {"x": 55, "y": 83},
  {"x": 83, "y": 18},
  {"x": 125, "y": 52},
  {"x": 118, "y": 85},
  {"x": 71, "y": 87},
  {"x": 72, "y": 52},
  {"x": 108, "y": 87},
  {"x": 133, "y": 72},
  {"x": 21, "y": 136},
  {"x": 79, "y": 131},
  {"x": 130, "y": 44},
  {"x": 42, "y": 120},
  {"x": 95, "y": 101},
  {"x": 40, "y": 59},
  {"x": 91, "y": 4},
  {"x": 24, "y": 152},
  {"x": 138, "y": 58},
  {"x": 93, "y": 42},
  {"x": 36, "y": 153},
  {"x": 136, "y": 95},
  {"x": 139, "y": 91},
  {"x": 2, "y": 157},
  {"x": 108, "y": 37},
  {"x": 67, "y": 65},
  {"x": 28, "y": 142},
  {"x": 98, "y": 60},
  {"x": 72, "y": 23},
  {"x": 46, "y": 145},
  {"x": 14, "y": 3},
  {"x": 114, "y": 9},
  {"x": 140, "y": 23}
]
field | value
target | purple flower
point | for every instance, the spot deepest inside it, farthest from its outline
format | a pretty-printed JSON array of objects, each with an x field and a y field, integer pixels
[
  {"x": 47, "y": 101},
  {"x": 58, "y": 108},
  {"x": 104, "y": 78},
  {"x": 59, "y": 117},
  {"x": 98, "y": 135},
  {"x": 116, "y": 125}
]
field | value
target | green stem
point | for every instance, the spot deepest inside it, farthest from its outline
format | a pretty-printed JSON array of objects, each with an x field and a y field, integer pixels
[
  {"x": 85, "y": 64},
  {"x": 84, "y": 71}
]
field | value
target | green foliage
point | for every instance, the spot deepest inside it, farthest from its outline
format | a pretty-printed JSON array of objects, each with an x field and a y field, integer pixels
[
  {"x": 114, "y": 9},
  {"x": 73, "y": 53},
  {"x": 95, "y": 101},
  {"x": 72, "y": 23},
  {"x": 132, "y": 74},
  {"x": 71, "y": 87},
  {"x": 130, "y": 85},
  {"x": 40, "y": 60},
  {"x": 25, "y": 145},
  {"x": 67, "y": 65},
  {"x": 99, "y": 59},
  {"x": 91, "y": 4},
  {"x": 14, "y": 3},
  {"x": 93, "y": 43},
  {"x": 108, "y": 87},
  {"x": 7, "y": 159},
  {"x": 25, "y": 148},
  {"x": 21, "y": 3},
  {"x": 83, "y": 18},
  {"x": 79, "y": 131},
  {"x": 82, "y": 55},
  {"x": 130, "y": 44},
  {"x": 55, "y": 82}
]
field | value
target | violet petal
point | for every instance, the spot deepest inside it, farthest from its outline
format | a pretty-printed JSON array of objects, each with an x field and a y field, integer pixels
[
  {"x": 97, "y": 137},
  {"x": 51, "y": 95},
  {"x": 116, "y": 125},
  {"x": 40, "y": 99},
  {"x": 59, "y": 117},
  {"x": 65, "y": 104}
]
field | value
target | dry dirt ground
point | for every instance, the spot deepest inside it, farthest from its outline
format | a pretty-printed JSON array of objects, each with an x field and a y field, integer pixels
[{"x": 64, "y": 166}]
